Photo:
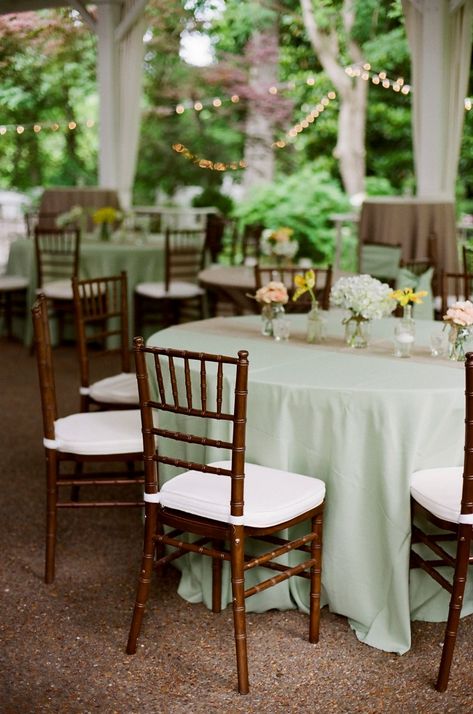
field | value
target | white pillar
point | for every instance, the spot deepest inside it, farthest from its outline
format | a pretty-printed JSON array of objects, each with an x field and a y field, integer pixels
[{"x": 108, "y": 82}]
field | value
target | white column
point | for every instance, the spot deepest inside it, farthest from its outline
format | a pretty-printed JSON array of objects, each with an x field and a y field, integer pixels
[{"x": 108, "y": 81}]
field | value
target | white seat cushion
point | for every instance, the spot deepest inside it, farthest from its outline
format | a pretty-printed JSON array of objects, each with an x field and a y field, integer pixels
[
  {"x": 177, "y": 290},
  {"x": 271, "y": 496},
  {"x": 96, "y": 433},
  {"x": 121, "y": 388},
  {"x": 57, "y": 290},
  {"x": 439, "y": 491},
  {"x": 12, "y": 282}
]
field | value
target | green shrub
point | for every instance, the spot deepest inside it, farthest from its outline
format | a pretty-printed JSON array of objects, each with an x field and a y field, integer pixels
[
  {"x": 211, "y": 196},
  {"x": 304, "y": 202}
]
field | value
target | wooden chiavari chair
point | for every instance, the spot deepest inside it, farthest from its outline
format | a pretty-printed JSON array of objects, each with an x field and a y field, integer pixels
[
  {"x": 82, "y": 438},
  {"x": 101, "y": 312},
  {"x": 286, "y": 275},
  {"x": 454, "y": 287},
  {"x": 224, "y": 501},
  {"x": 57, "y": 262},
  {"x": 380, "y": 260},
  {"x": 444, "y": 496},
  {"x": 178, "y": 297}
]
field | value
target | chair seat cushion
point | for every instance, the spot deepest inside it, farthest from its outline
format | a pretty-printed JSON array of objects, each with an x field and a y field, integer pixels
[
  {"x": 98, "y": 433},
  {"x": 57, "y": 290},
  {"x": 12, "y": 282},
  {"x": 177, "y": 290},
  {"x": 271, "y": 496},
  {"x": 439, "y": 491},
  {"x": 120, "y": 389}
]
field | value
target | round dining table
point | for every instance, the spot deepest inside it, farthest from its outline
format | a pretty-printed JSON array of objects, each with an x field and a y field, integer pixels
[
  {"x": 142, "y": 259},
  {"x": 362, "y": 420}
]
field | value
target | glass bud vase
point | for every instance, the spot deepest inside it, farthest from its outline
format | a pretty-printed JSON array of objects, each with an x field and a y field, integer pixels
[
  {"x": 315, "y": 325},
  {"x": 404, "y": 333},
  {"x": 269, "y": 313},
  {"x": 459, "y": 334},
  {"x": 357, "y": 331},
  {"x": 104, "y": 231}
]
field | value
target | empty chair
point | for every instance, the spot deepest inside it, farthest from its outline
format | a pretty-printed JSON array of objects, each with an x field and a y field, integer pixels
[
  {"x": 443, "y": 497},
  {"x": 101, "y": 313},
  {"x": 57, "y": 262},
  {"x": 93, "y": 437},
  {"x": 224, "y": 503},
  {"x": 178, "y": 296},
  {"x": 13, "y": 290},
  {"x": 467, "y": 253},
  {"x": 286, "y": 275},
  {"x": 246, "y": 247},
  {"x": 380, "y": 260},
  {"x": 454, "y": 287}
]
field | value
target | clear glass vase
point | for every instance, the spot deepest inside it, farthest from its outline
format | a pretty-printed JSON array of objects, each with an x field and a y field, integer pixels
[
  {"x": 404, "y": 333},
  {"x": 269, "y": 313},
  {"x": 315, "y": 325},
  {"x": 357, "y": 331},
  {"x": 459, "y": 334}
]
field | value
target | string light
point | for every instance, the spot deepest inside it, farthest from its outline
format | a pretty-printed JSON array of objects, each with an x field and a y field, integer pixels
[
  {"x": 203, "y": 163},
  {"x": 377, "y": 78},
  {"x": 37, "y": 127}
]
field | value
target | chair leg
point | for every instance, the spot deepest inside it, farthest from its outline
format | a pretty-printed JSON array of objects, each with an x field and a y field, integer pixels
[
  {"x": 456, "y": 602},
  {"x": 217, "y": 579},
  {"x": 51, "y": 514},
  {"x": 315, "y": 580},
  {"x": 144, "y": 581},
  {"x": 239, "y": 617}
]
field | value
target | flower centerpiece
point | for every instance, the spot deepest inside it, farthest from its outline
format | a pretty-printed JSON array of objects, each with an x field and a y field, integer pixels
[
  {"x": 105, "y": 218},
  {"x": 305, "y": 283},
  {"x": 367, "y": 299},
  {"x": 460, "y": 318},
  {"x": 75, "y": 216},
  {"x": 272, "y": 298},
  {"x": 405, "y": 329},
  {"x": 278, "y": 244}
]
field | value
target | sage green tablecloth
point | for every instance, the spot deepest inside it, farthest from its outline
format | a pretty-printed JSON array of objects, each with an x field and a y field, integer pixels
[
  {"x": 361, "y": 420},
  {"x": 142, "y": 262}
]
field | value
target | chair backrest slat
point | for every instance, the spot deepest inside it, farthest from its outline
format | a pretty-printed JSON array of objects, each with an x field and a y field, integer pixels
[
  {"x": 455, "y": 286},
  {"x": 184, "y": 255},
  {"x": 44, "y": 359},
  {"x": 101, "y": 315},
  {"x": 57, "y": 254},
  {"x": 173, "y": 366}
]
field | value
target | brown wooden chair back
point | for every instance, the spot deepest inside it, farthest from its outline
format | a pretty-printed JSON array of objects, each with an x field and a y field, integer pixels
[
  {"x": 286, "y": 274},
  {"x": 184, "y": 255},
  {"x": 101, "y": 314},
  {"x": 251, "y": 242},
  {"x": 214, "y": 233},
  {"x": 44, "y": 360},
  {"x": 455, "y": 286},
  {"x": 467, "y": 253},
  {"x": 193, "y": 401},
  {"x": 57, "y": 254}
]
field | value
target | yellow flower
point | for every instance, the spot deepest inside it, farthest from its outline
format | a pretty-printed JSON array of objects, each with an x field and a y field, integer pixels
[
  {"x": 305, "y": 283},
  {"x": 282, "y": 234},
  {"x": 107, "y": 214},
  {"x": 404, "y": 296}
]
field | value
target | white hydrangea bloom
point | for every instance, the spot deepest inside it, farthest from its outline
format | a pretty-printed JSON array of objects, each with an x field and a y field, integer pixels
[{"x": 364, "y": 296}]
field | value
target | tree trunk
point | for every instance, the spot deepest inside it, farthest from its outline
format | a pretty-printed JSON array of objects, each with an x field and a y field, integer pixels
[
  {"x": 352, "y": 95},
  {"x": 259, "y": 154}
]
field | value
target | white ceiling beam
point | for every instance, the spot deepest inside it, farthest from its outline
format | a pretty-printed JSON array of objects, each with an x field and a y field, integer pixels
[
  {"x": 131, "y": 17},
  {"x": 84, "y": 13}
]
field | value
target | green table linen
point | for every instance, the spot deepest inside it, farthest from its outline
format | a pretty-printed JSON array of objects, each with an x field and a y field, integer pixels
[
  {"x": 143, "y": 262},
  {"x": 362, "y": 421}
]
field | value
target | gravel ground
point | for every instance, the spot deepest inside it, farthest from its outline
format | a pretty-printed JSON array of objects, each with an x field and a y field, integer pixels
[{"x": 63, "y": 645}]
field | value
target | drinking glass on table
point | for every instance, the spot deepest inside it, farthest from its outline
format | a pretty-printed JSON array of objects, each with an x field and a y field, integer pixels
[
  {"x": 438, "y": 342},
  {"x": 281, "y": 328}
]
